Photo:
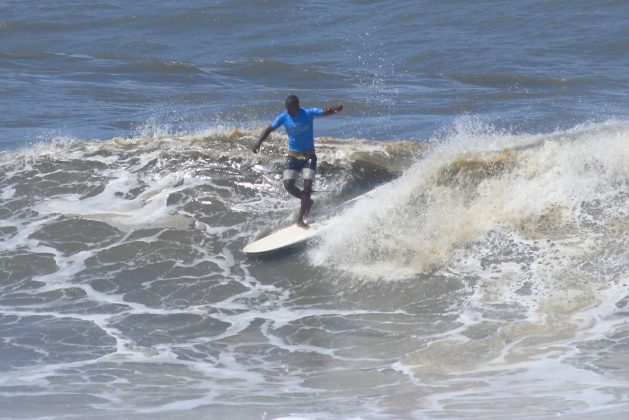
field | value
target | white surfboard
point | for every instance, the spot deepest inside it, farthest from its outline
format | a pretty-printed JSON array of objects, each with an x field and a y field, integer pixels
[
  {"x": 284, "y": 238},
  {"x": 293, "y": 235}
]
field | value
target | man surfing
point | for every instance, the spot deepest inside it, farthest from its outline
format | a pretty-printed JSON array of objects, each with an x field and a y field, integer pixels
[{"x": 301, "y": 158}]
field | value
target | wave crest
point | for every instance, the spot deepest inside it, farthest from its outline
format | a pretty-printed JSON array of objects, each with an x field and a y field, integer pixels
[{"x": 533, "y": 186}]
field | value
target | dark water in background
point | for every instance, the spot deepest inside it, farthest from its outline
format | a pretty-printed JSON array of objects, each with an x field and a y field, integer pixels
[
  {"x": 404, "y": 69},
  {"x": 488, "y": 277}
]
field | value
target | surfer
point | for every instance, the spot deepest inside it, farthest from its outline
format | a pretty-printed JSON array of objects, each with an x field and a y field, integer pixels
[{"x": 301, "y": 157}]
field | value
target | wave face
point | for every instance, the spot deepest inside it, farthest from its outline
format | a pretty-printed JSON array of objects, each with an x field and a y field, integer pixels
[
  {"x": 488, "y": 187},
  {"x": 487, "y": 267}
]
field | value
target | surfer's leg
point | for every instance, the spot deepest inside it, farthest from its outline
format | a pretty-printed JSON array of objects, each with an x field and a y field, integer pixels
[
  {"x": 289, "y": 185},
  {"x": 308, "y": 173},
  {"x": 291, "y": 173},
  {"x": 306, "y": 200},
  {"x": 306, "y": 203}
]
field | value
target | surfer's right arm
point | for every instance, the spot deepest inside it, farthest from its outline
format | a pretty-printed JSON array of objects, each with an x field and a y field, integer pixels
[{"x": 267, "y": 131}]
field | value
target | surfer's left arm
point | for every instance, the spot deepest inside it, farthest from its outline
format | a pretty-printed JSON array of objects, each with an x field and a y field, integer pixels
[{"x": 332, "y": 110}]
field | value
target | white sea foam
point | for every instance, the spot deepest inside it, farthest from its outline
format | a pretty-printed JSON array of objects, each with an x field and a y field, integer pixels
[
  {"x": 448, "y": 316},
  {"x": 475, "y": 183}
]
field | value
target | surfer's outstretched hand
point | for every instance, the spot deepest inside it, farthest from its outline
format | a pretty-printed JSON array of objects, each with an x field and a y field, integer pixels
[
  {"x": 263, "y": 136},
  {"x": 332, "y": 110}
]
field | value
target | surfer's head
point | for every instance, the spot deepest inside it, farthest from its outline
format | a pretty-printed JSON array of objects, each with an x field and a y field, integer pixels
[{"x": 292, "y": 105}]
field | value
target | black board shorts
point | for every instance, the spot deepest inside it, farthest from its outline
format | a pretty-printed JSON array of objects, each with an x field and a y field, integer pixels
[{"x": 295, "y": 165}]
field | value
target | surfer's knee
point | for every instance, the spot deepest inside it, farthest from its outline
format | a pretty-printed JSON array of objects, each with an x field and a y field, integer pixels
[{"x": 289, "y": 184}]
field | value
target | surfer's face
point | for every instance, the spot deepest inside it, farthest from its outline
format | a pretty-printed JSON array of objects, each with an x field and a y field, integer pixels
[{"x": 292, "y": 108}]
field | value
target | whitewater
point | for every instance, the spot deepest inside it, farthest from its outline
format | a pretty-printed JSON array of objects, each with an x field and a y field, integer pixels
[{"x": 487, "y": 273}]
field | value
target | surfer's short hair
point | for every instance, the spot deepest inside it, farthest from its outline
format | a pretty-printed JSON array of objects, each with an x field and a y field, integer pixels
[{"x": 292, "y": 100}]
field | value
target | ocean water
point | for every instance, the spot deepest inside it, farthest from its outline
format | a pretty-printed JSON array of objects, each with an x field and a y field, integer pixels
[{"x": 486, "y": 277}]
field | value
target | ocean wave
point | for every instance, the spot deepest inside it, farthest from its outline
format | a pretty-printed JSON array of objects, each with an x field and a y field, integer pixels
[
  {"x": 536, "y": 186},
  {"x": 535, "y": 228},
  {"x": 270, "y": 69},
  {"x": 156, "y": 67},
  {"x": 117, "y": 176},
  {"x": 521, "y": 80}
]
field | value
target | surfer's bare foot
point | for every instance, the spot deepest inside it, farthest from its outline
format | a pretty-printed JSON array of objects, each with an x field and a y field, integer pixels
[{"x": 303, "y": 224}]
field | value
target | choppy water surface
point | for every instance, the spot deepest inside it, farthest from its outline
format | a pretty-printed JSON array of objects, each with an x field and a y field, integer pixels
[
  {"x": 403, "y": 69},
  {"x": 486, "y": 277}
]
